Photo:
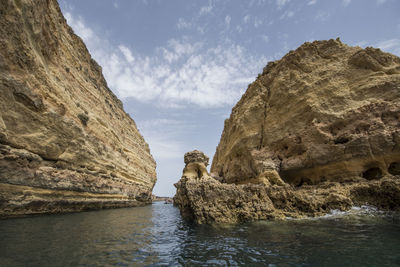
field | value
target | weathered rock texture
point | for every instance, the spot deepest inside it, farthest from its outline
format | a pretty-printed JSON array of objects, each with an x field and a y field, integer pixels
[
  {"x": 66, "y": 143},
  {"x": 204, "y": 199},
  {"x": 318, "y": 130},
  {"x": 325, "y": 112}
]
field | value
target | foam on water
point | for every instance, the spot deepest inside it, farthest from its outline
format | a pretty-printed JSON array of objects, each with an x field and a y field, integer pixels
[
  {"x": 354, "y": 211},
  {"x": 363, "y": 210}
]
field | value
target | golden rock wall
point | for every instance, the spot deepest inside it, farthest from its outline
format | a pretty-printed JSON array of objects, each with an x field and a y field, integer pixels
[{"x": 65, "y": 139}]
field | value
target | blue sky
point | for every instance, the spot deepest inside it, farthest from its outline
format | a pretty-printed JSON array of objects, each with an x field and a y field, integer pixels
[{"x": 179, "y": 66}]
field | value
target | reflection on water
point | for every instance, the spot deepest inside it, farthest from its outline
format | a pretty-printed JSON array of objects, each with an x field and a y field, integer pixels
[{"x": 155, "y": 235}]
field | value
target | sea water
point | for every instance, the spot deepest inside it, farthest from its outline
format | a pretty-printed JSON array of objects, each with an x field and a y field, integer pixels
[{"x": 156, "y": 235}]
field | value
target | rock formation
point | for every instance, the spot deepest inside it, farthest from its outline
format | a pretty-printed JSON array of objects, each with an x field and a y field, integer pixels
[
  {"x": 318, "y": 129},
  {"x": 204, "y": 199},
  {"x": 325, "y": 112},
  {"x": 66, "y": 143}
]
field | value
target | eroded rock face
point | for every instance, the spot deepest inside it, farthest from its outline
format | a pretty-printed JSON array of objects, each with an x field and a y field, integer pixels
[
  {"x": 196, "y": 156},
  {"x": 204, "y": 199},
  {"x": 317, "y": 130},
  {"x": 66, "y": 143},
  {"x": 325, "y": 112}
]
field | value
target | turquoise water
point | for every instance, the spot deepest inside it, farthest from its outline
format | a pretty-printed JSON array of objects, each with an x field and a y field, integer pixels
[{"x": 156, "y": 235}]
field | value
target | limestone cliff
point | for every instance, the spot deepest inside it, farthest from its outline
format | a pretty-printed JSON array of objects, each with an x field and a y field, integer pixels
[
  {"x": 317, "y": 130},
  {"x": 325, "y": 112},
  {"x": 66, "y": 143}
]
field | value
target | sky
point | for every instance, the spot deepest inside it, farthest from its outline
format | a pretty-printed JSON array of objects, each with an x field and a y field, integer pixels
[{"x": 179, "y": 66}]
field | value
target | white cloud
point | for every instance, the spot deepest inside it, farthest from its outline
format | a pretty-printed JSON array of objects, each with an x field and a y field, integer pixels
[
  {"x": 175, "y": 50},
  {"x": 322, "y": 15},
  {"x": 380, "y": 2},
  {"x": 287, "y": 14},
  {"x": 283, "y": 36},
  {"x": 127, "y": 53},
  {"x": 201, "y": 29},
  {"x": 116, "y": 5},
  {"x": 265, "y": 38},
  {"x": 183, "y": 24},
  {"x": 228, "y": 20},
  {"x": 162, "y": 145},
  {"x": 182, "y": 73},
  {"x": 281, "y": 3},
  {"x": 312, "y": 2},
  {"x": 160, "y": 122},
  {"x": 346, "y": 2},
  {"x": 163, "y": 136},
  {"x": 84, "y": 32},
  {"x": 206, "y": 9},
  {"x": 391, "y": 45},
  {"x": 246, "y": 19},
  {"x": 257, "y": 22}
]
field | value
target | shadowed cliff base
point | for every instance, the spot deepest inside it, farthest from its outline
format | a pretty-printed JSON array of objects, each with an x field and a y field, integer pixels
[
  {"x": 317, "y": 130},
  {"x": 66, "y": 143}
]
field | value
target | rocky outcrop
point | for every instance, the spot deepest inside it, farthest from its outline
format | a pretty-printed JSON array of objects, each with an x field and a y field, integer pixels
[
  {"x": 66, "y": 143},
  {"x": 204, "y": 199},
  {"x": 325, "y": 112},
  {"x": 317, "y": 130}
]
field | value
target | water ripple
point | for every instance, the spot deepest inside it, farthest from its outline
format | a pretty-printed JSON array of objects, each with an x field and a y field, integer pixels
[{"x": 157, "y": 236}]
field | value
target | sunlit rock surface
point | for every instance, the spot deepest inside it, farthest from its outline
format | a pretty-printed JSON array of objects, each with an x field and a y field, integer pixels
[
  {"x": 66, "y": 144},
  {"x": 324, "y": 112},
  {"x": 317, "y": 130},
  {"x": 204, "y": 199}
]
